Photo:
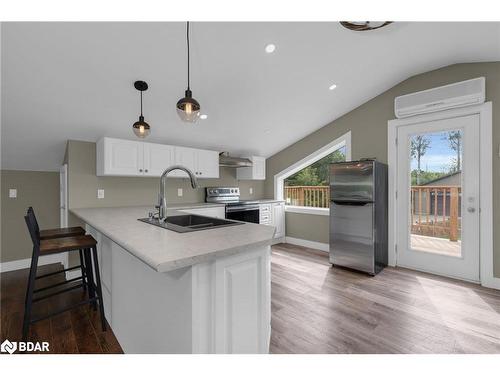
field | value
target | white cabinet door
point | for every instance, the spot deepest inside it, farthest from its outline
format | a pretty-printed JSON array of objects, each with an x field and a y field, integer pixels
[
  {"x": 118, "y": 157},
  {"x": 207, "y": 164},
  {"x": 256, "y": 172},
  {"x": 186, "y": 157},
  {"x": 218, "y": 212},
  {"x": 242, "y": 303},
  {"x": 279, "y": 219},
  {"x": 157, "y": 158},
  {"x": 259, "y": 166}
]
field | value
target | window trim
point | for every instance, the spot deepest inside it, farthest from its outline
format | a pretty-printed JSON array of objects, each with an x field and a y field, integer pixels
[{"x": 279, "y": 178}]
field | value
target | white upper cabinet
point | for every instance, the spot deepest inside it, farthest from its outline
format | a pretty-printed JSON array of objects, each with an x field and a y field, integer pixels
[
  {"x": 186, "y": 157},
  {"x": 157, "y": 158},
  {"x": 118, "y": 157},
  {"x": 207, "y": 164},
  {"x": 256, "y": 172}
]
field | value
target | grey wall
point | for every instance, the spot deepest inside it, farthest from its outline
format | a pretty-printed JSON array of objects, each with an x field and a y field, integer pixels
[
  {"x": 368, "y": 126},
  {"x": 37, "y": 189}
]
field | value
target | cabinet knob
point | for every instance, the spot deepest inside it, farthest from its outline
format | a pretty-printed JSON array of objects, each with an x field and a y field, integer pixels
[
  {"x": 146, "y": 170},
  {"x": 140, "y": 170}
]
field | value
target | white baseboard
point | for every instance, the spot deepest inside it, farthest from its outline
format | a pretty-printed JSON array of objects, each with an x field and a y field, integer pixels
[
  {"x": 26, "y": 263},
  {"x": 306, "y": 243},
  {"x": 493, "y": 283}
]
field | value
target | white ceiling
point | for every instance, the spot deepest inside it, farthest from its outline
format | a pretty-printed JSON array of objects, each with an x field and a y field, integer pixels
[{"x": 75, "y": 80}]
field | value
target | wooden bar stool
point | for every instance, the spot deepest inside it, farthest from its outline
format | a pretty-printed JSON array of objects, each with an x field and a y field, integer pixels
[
  {"x": 84, "y": 243},
  {"x": 47, "y": 234}
]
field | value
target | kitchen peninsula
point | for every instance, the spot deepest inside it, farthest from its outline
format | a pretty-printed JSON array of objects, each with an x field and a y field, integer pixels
[{"x": 205, "y": 291}]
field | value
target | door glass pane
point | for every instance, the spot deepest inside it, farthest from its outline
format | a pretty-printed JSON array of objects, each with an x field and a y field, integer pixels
[{"x": 436, "y": 192}]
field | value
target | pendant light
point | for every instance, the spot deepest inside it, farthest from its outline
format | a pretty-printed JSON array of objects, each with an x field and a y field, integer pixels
[
  {"x": 188, "y": 108},
  {"x": 141, "y": 128}
]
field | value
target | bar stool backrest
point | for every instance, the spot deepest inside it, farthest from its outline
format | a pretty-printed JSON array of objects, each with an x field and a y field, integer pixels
[
  {"x": 31, "y": 212},
  {"x": 35, "y": 237}
]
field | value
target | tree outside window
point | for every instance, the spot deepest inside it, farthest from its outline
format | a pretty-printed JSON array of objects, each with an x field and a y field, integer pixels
[{"x": 309, "y": 187}]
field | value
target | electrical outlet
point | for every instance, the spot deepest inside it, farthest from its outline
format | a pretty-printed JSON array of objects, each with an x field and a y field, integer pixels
[
  {"x": 12, "y": 193},
  {"x": 100, "y": 193},
  {"x": 250, "y": 191},
  {"x": 179, "y": 192}
]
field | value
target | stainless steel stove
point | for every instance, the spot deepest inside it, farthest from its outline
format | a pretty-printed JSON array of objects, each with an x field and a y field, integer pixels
[{"x": 236, "y": 209}]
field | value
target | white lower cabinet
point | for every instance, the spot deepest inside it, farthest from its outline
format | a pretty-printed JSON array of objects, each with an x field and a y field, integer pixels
[
  {"x": 232, "y": 304},
  {"x": 274, "y": 214},
  {"x": 219, "y": 306},
  {"x": 279, "y": 219}
]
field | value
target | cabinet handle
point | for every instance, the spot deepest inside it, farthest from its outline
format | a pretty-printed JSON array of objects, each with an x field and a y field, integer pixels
[
  {"x": 140, "y": 170},
  {"x": 146, "y": 170}
]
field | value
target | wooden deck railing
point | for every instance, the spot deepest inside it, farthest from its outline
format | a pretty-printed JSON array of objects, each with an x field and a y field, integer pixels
[
  {"x": 435, "y": 211},
  {"x": 310, "y": 196}
]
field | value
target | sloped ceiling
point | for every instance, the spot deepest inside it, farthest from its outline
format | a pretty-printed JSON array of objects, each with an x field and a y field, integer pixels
[{"x": 65, "y": 81}]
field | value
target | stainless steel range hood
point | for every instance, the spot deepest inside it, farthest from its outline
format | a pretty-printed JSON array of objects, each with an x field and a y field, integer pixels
[{"x": 233, "y": 162}]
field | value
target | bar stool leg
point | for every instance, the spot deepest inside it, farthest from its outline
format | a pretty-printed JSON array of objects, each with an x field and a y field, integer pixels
[
  {"x": 90, "y": 276},
  {"x": 99, "y": 288},
  {"x": 83, "y": 270},
  {"x": 29, "y": 294}
]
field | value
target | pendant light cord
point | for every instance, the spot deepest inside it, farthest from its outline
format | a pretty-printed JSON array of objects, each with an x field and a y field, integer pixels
[
  {"x": 141, "y": 103},
  {"x": 187, "y": 37}
]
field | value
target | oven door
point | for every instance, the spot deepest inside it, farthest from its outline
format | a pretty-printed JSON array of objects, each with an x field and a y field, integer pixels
[{"x": 249, "y": 214}]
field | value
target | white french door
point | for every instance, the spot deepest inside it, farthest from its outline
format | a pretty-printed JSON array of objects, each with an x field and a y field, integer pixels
[{"x": 437, "y": 206}]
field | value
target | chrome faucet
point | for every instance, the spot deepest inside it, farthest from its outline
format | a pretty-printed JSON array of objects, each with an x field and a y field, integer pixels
[{"x": 162, "y": 198}]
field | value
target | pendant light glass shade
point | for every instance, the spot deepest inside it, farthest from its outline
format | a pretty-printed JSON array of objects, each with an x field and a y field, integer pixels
[
  {"x": 188, "y": 108},
  {"x": 141, "y": 128}
]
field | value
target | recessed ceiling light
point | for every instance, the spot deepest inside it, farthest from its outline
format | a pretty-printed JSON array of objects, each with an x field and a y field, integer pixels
[
  {"x": 270, "y": 48},
  {"x": 332, "y": 87},
  {"x": 203, "y": 117}
]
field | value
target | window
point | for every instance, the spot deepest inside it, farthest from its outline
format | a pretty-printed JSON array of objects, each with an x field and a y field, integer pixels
[
  {"x": 310, "y": 186},
  {"x": 304, "y": 186}
]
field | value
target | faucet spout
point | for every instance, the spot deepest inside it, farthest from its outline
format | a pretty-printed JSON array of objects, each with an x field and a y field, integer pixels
[{"x": 162, "y": 197}]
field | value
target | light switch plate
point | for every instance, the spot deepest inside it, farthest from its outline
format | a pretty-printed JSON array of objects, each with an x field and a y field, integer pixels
[
  {"x": 12, "y": 193},
  {"x": 250, "y": 191},
  {"x": 100, "y": 193},
  {"x": 179, "y": 192}
]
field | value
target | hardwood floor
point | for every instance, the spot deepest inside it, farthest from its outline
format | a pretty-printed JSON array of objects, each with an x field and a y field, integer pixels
[
  {"x": 315, "y": 309},
  {"x": 75, "y": 331},
  {"x": 320, "y": 309}
]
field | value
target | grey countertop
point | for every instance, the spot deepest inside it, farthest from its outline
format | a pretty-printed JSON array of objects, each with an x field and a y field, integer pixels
[{"x": 165, "y": 250}]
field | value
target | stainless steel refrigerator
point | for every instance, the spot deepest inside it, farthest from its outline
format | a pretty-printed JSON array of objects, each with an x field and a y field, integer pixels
[{"x": 358, "y": 215}]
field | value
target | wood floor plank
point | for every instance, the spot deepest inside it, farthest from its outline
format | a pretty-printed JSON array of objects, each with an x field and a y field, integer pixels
[
  {"x": 75, "y": 331},
  {"x": 324, "y": 309},
  {"x": 315, "y": 308}
]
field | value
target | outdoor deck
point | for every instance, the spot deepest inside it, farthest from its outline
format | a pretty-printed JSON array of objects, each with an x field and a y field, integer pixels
[{"x": 436, "y": 245}]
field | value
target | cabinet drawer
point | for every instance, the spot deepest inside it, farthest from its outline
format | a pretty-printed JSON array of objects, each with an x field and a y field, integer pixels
[{"x": 265, "y": 208}]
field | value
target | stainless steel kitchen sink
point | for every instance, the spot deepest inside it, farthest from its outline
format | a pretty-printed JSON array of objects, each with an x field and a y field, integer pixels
[{"x": 190, "y": 223}]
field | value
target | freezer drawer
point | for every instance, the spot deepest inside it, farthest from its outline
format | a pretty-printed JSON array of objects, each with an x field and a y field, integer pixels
[{"x": 352, "y": 236}]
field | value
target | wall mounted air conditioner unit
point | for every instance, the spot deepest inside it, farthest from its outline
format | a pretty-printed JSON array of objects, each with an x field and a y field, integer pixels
[{"x": 456, "y": 95}]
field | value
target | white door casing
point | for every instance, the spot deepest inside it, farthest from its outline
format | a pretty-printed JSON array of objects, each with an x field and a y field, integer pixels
[
  {"x": 485, "y": 177},
  {"x": 467, "y": 265},
  {"x": 63, "y": 196}
]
